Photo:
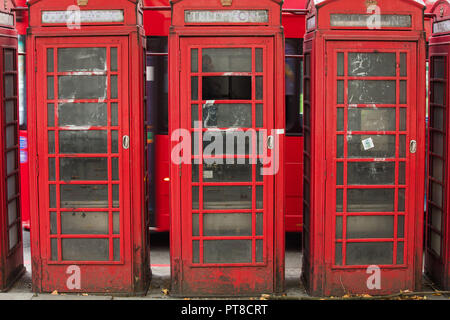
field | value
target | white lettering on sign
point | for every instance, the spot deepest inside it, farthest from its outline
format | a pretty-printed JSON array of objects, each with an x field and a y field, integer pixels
[
  {"x": 6, "y": 19},
  {"x": 363, "y": 20},
  {"x": 86, "y": 16},
  {"x": 440, "y": 27},
  {"x": 229, "y": 16}
]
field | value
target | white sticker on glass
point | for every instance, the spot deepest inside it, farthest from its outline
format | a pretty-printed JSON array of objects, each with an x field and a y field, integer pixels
[{"x": 368, "y": 144}]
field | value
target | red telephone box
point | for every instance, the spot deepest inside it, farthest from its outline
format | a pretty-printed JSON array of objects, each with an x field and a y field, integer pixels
[
  {"x": 11, "y": 253},
  {"x": 226, "y": 69},
  {"x": 86, "y": 138},
  {"x": 437, "y": 254},
  {"x": 364, "y": 146}
]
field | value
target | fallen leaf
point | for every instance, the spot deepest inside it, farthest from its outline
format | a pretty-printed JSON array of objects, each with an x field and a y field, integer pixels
[
  {"x": 84, "y": 294},
  {"x": 165, "y": 292},
  {"x": 55, "y": 292}
]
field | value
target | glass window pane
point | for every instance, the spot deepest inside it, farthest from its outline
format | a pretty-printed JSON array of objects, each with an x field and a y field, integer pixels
[
  {"x": 371, "y": 173},
  {"x": 259, "y": 89},
  {"x": 340, "y": 119},
  {"x": 51, "y": 142},
  {"x": 436, "y": 194},
  {"x": 437, "y": 143},
  {"x": 114, "y": 141},
  {"x": 340, "y": 91},
  {"x": 195, "y": 197},
  {"x": 366, "y": 227},
  {"x": 114, "y": 61},
  {"x": 115, "y": 169},
  {"x": 227, "y": 115},
  {"x": 339, "y": 200},
  {"x": 438, "y": 93},
  {"x": 81, "y": 59},
  {"x": 73, "y": 169},
  {"x": 114, "y": 87},
  {"x": 227, "y": 88},
  {"x": 11, "y": 136},
  {"x": 259, "y": 251},
  {"x": 259, "y": 60},
  {"x": 378, "y": 253},
  {"x": 50, "y": 60},
  {"x": 9, "y": 59},
  {"x": 82, "y": 87},
  {"x": 403, "y": 67},
  {"x": 227, "y": 197},
  {"x": 84, "y": 196},
  {"x": 54, "y": 249},
  {"x": 401, "y": 200},
  {"x": 52, "y": 196},
  {"x": 13, "y": 236},
  {"x": 437, "y": 118},
  {"x": 85, "y": 249},
  {"x": 436, "y": 218},
  {"x": 50, "y": 88},
  {"x": 340, "y": 64},
  {"x": 259, "y": 116},
  {"x": 227, "y": 224},
  {"x": 53, "y": 223},
  {"x": 196, "y": 225},
  {"x": 370, "y": 200},
  {"x": 194, "y": 88},
  {"x": 439, "y": 67},
  {"x": 401, "y": 227},
  {"x": 116, "y": 249},
  {"x": 215, "y": 172},
  {"x": 371, "y": 146},
  {"x": 92, "y": 141},
  {"x": 84, "y": 222},
  {"x": 372, "y": 64},
  {"x": 338, "y": 254},
  {"x": 340, "y": 147},
  {"x": 12, "y": 186},
  {"x": 403, "y": 120},
  {"x": 402, "y": 173},
  {"x": 116, "y": 222},
  {"x": 114, "y": 114},
  {"x": 10, "y": 86},
  {"x": 259, "y": 228},
  {"x": 194, "y": 60},
  {"x": 339, "y": 227},
  {"x": 82, "y": 114},
  {"x": 435, "y": 243},
  {"x": 195, "y": 251},
  {"x": 340, "y": 174},
  {"x": 50, "y": 114},
  {"x": 194, "y": 116},
  {"x": 371, "y": 91},
  {"x": 51, "y": 169},
  {"x": 227, "y": 60},
  {"x": 400, "y": 252},
  {"x": 10, "y": 111},
  {"x": 227, "y": 251},
  {"x": 403, "y": 92},
  {"x": 116, "y": 195},
  {"x": 12, "y": 212},
  {"x": 371, "y": 119},
  {"x": 11, "y": 161},
  {"x": 259, "y": 197}
]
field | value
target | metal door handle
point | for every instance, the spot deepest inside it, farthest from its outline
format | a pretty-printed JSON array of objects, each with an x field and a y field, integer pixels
[
  {"x": 270, "y": 142},
  {"x": 126, "y": 142},
  {"x": 413, "y": 146}
]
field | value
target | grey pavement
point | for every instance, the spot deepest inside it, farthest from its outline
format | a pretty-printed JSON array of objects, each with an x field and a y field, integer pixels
[{"x": 160, "y": 284}]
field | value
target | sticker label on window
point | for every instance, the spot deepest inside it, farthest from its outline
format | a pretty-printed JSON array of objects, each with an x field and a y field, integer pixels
[{"x": 368, "y": 144}]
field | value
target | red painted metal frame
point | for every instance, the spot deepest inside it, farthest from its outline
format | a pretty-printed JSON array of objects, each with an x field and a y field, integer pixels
[
  {"x": 437, "y": 264},
  {"x": 130, "y": 275},
  {"x": 223, "y": 279},
  {"x": 157, "y": 16},
  {"x": 11, "y": 256},
  {"x": 319, "y": 273}
]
